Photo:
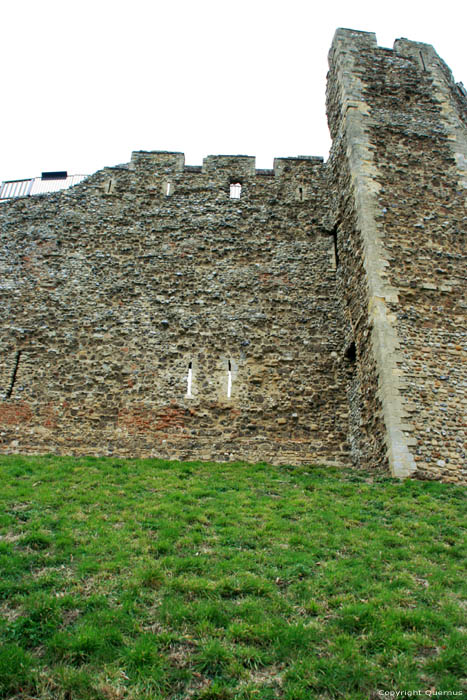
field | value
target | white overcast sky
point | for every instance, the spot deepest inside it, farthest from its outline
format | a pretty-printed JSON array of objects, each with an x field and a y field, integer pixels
[{"x": 85, "y": 83}]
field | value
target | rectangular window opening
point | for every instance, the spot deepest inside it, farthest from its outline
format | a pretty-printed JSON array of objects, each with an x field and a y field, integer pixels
[
  {"x": 229, "y": 381},
  {"x": 168, "y": 189},
  {"x": 189, "y": 381},
  {"x": 235, "y": 190}
]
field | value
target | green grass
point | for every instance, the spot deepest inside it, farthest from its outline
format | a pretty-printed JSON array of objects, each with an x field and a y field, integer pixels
[{"x": 152, "y": 579}]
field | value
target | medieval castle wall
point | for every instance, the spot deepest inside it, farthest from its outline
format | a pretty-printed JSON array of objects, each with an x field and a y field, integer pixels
[
  {"x": 317, "y": 317},
  {"x": 116, "y": 288}
]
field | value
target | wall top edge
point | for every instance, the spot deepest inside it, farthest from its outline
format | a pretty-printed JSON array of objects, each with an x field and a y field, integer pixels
[{"x": 356, "y": 38}]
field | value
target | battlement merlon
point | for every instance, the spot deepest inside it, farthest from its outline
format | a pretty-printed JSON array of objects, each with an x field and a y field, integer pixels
[
  {"x": 424, "y": 54},
  {"x": 353, "y": 37},
  {"x": 161, "y": 162}
]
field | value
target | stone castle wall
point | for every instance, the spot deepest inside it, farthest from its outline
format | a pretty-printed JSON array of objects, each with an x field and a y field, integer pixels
[
  {"x": 320, "y": 316},
  {"x": 115, "y": 288}
]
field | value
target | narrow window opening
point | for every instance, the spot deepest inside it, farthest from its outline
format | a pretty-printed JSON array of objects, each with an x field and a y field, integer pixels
[
  {"x": 168, "y": 189},
  {"x": 109, "y": 187},
  {"x": 235, "y": 190},
  {"x": 423, "y": 62},
  {"x": 189, "y": 380},
  {"x": 300, "y": 193},
  {"x": 351, "y": 352},
  {"x": 13, "y": 376},
  {"x": 229, "y": 381},
  {"x": 336, "y": 253}
]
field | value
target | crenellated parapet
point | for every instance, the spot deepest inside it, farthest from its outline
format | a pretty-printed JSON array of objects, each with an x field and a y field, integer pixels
[{"x": 163, "y": 173}]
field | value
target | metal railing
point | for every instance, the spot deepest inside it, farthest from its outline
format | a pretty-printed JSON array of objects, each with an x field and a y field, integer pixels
[{"x": 36, "y": 185}]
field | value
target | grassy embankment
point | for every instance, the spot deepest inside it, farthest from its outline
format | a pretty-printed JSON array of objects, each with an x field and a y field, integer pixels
[{"x": 152, "y": 579}]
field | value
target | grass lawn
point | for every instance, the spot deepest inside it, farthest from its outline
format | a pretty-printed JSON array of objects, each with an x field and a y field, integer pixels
[{"x": 153, "y": 579}]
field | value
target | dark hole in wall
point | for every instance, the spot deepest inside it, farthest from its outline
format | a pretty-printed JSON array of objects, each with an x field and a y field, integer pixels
[
  {"x": 351, "y": 352},
  {"x": 336, "y": 254},
  {"x": 13, "y": 376}
]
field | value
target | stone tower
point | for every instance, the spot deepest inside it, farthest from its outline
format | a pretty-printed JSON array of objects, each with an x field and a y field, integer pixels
[
  {"x": 314, "y": 312},
  {"x": 398, "y": 172}
]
